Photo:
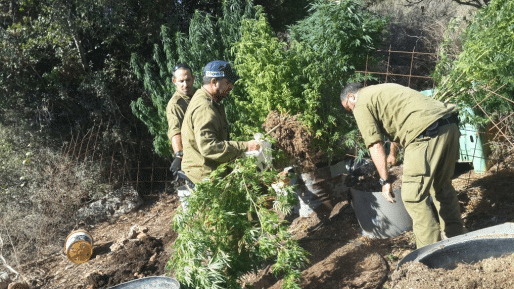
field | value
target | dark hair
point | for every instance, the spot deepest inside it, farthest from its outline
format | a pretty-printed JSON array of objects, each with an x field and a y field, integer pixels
[
  {"x": 207, "y": 79},
  {"x": 350, "y": 88},
  {"x": 181, "y": 66}
]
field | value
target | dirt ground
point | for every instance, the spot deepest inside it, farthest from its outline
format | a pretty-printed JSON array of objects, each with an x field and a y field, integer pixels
[{"x": 340, "y": 256}]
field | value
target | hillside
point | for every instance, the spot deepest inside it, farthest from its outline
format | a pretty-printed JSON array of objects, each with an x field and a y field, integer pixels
[{"x": 340, "y": 256}]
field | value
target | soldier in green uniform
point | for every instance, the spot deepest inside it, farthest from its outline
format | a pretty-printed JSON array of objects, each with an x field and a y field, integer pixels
[
  {"x": 205, "y": 130},
  {"x": 429, "y": 132},
  {"x": 183, "y": 79}
]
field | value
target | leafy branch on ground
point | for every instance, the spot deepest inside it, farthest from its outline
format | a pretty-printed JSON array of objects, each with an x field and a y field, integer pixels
[{"x": 232, "y": 227}]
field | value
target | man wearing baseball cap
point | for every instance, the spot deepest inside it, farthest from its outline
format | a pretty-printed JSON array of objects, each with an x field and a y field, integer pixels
[{"x": 205, "y": 130}]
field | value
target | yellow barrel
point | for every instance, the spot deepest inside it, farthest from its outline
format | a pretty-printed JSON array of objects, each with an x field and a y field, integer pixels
[{"x": 79, "y": 246}]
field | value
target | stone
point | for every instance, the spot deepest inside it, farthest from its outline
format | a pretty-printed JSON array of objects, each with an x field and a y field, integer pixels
[{"x": 119, "y": 202}]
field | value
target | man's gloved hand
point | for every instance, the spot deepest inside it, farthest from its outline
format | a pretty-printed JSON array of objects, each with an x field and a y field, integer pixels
[
  {"x": 387, "y": 192},
  {"x": 176, "y": 164}
]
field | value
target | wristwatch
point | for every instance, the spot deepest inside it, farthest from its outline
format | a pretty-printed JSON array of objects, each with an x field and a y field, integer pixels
[
  {"x": 383, "y": 182},
  {"x": 179, "y": 154}
]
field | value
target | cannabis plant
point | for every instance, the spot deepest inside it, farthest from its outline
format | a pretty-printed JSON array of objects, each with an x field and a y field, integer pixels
[
  {"x": 232, "y": 227},
  {"x": 304, "y": 75},
  {"x": 482, "y": 73},
  {"x": 209, "y": 38}
]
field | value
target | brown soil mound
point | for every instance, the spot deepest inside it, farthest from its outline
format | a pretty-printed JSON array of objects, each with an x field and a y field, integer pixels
[
  {"x": 293, "y": 137},
  {"x": 138, "y": 258},
  {"x": 488, "y": 273}
]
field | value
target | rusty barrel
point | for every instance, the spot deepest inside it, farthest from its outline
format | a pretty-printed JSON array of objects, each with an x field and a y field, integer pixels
[{"x": 79, "y": 246}]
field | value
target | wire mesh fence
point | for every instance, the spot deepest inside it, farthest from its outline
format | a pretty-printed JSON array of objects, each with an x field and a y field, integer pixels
[{"x": 137, "y": 165}]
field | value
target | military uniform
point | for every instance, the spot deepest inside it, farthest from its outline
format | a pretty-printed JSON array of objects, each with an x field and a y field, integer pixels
[
  {"x": 205, "y": 137},
  {"x": 175, "y": 111},
  {"x": 404, "y": 115}
]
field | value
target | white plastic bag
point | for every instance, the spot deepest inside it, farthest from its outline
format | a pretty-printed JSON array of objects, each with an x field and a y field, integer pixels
[{"x": 263, "y": 155}]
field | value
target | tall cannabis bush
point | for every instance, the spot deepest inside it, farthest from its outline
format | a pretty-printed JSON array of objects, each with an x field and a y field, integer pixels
[
  {"x": 208, "y": 39},
  {"x": 483, "y": 71},
  {"x": 231, "y": 227},
  {"x": 305, "y": 75}
]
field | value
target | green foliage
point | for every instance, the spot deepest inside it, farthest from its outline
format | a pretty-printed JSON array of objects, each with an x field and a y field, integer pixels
[
  {"x": 304, "y": 76},
  {"x": 209, "y": 38},
  {"x": 482, "y": 73},
  {"x": 301, "y": 77},
  {"x": 231, "y": 227}
]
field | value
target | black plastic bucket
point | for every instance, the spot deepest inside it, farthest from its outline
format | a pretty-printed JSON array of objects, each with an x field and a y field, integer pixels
[
  {"x": 469, "y": 248},
  {"x": 379, "y": 218}
]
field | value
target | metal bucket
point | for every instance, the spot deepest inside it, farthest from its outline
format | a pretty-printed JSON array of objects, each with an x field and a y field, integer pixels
[
  {"x": 149, "y": 283},
  {"x": 377, "y": 217},
  {"x": 79, "y": 246},
  {"x": 468, "y": 248}
]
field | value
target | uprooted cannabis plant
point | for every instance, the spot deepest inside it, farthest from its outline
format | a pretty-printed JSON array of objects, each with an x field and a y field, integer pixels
[{"x": 232, "y": 227}]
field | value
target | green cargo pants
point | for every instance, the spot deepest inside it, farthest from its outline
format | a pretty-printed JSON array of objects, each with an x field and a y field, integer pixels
[{"x": 428, "y": 168}]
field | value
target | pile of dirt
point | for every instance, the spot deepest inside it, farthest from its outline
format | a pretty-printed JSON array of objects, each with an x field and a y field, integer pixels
[
  {"x": 293, "y": 137},
  {"x": 139, "y": 258},
  {"x": 488, "y": 273}
]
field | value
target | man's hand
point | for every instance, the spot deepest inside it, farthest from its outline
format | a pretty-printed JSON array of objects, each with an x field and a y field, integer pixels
[
  {"x": 176, "y": 166},
  {"x": 393, "y": 149},
  {"x": 387, "y": 192},
  {"x": 253, "y": 145},
  {"x": 391, "y": 160}
]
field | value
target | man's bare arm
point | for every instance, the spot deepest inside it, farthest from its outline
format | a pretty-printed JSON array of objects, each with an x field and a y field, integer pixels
[
  {"x": 378, "y": 156},
  {"x": 176, "y": 143}
]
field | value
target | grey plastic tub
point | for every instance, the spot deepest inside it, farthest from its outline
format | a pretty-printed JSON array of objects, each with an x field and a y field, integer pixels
[
  {"x": 472, "y": 247},
  {"x": 157, "y": 282},
  {"x": 379, "y": 218}
]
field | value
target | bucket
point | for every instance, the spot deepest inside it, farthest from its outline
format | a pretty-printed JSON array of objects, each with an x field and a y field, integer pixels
[
  {"x": 377, "y": 217},
  {"x": 79, "y": 246},
  {"x": 468, "y": 248},
  {"x": 149, "y": 283},
  {"x": 183, "y": 193}
]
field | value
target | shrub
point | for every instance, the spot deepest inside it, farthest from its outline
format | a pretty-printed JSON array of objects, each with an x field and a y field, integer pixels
[
  {"x": 231, "y": 227},
  {"x": 482, "y": 74},
  {"x": 209, "y": 39},
  {"x": 304, "y": 76},
  {"x": 40, "y": 191}
]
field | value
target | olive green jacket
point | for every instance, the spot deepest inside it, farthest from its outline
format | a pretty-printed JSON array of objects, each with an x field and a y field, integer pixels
[
  {"x": 205, "y": 137},
  {"x": 175, "y": 111},
  {"x": 397, "y": 112}
]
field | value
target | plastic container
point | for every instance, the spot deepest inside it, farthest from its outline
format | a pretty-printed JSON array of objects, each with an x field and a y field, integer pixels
[
  {"x": 79, "y": 246},
  {"x": 377, "y": 217},
  {"x": 183, "y": 193},
  {"x": 157, "y": 282},
  {"x": 471, "y": 148},
  {"x": 468, "y": 248}
]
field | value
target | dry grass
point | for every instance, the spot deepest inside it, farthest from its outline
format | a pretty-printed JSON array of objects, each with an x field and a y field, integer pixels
[{"x": 40, "y": 191}]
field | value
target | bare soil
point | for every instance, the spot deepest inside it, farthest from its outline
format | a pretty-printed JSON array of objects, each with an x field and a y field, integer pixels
[
  {"x": 340, "y": 256},
  {"x": 488, "y": 273}
]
